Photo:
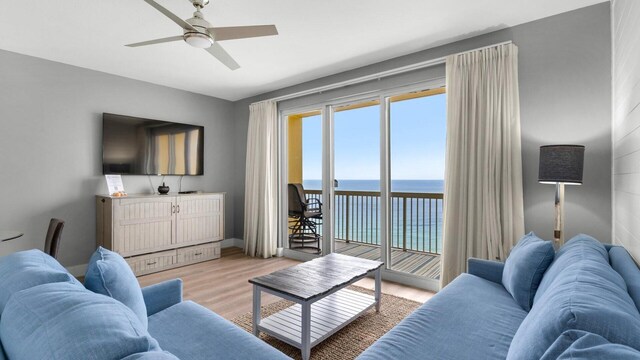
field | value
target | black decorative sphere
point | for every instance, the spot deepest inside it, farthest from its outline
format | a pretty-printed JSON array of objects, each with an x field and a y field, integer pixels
[{"x": 163, "y": 189}]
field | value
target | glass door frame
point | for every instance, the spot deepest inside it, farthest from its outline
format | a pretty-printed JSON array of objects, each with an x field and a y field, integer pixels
[
  {"x": 327, "y": 109},
  {"x": 329, "y": 242},
  {"x": 327, "y": 203}
]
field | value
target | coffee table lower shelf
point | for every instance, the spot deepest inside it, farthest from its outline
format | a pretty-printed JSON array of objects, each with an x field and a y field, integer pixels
[{"x": 328, "y": 315}]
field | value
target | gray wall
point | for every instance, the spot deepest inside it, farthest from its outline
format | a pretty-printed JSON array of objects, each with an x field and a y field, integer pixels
[
  {"x": 626, "y": 125},
  {"x": 51, "y": 140},
  {"x": 565, "y": 94}
]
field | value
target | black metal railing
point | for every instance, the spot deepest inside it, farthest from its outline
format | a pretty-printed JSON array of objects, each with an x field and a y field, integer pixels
[{"x": 416, "y": 219}]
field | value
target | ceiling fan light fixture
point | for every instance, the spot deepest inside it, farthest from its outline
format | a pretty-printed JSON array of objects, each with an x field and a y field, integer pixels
[{"x": 198, "y": 40}]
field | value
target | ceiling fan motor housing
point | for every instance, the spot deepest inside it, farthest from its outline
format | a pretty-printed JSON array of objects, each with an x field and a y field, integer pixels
[
  {"x": 199, "y": 3},
  {"x": 201, "y": 38}
]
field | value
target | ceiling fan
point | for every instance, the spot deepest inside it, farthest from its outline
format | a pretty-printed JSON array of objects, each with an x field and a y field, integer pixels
[{"x": 198, "y": 33}]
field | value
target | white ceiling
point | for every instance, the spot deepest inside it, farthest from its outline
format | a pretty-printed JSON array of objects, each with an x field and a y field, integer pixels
[{"x": 317, "y": 38}]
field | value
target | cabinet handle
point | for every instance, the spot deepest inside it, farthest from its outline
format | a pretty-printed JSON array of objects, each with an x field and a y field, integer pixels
[
  {"x": 198, "y": 253},
  {"x": 173, "y": 209},
  {"x": 151, "y": 263},
  {"x": 178, "y": 208}
]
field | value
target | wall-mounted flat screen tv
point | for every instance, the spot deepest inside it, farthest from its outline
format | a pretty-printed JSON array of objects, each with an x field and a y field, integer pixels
[{"x": 136, "y": 146}]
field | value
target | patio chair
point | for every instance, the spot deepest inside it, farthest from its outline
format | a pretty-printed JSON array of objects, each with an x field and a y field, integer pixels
[{"x": 305, "y": 217}]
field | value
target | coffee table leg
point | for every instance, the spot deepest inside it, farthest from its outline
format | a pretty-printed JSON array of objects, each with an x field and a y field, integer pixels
[
  {"x": 306, "y": 331},
  {"x": 256, "y": 309},
  {"x": 377, "y": 291}
]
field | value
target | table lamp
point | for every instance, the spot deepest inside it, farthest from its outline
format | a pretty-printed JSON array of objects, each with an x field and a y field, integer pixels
[{"x": 560, "y": 165}]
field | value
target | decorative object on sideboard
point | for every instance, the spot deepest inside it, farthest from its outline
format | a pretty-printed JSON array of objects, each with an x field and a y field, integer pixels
[
  {"x": 163, "y": 189},
  {"x": 115, "y": 185},
  {"x": 560, "y": 165}
]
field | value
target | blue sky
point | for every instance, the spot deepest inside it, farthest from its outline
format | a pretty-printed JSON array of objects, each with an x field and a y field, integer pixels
[{"x": 417, "y": 141}]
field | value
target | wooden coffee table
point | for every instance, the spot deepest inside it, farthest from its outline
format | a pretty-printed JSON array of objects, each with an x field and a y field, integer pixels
[{"x": 323, "y": 304}]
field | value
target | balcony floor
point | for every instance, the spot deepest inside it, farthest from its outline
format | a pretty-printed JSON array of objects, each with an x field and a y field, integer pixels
[{"x": 415, "y": 263}]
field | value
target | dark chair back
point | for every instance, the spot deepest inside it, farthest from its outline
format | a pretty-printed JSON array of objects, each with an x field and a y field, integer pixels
[
  {"x": 297, "y": 200},
  {"x": 52, "y": 241}
]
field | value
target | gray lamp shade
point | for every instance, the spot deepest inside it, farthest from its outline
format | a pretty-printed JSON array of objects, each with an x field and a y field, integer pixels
[{"x": 561, "y": 164}]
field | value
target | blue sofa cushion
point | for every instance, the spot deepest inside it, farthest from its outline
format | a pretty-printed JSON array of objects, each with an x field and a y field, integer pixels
[
  {"x": 62, "y": 321},
  {"x": 624, "y": 265},
  {"x": 576, "y": 344},
  {"x": 152, "y": 355},
  {"x": 471, "y": 318},
  {"x": 524, "y": 268},
  {"x": 109, "y": 274},
  {"x": 587, "y": 295},
  {"x": 569, "y": 254},
  {"x": 25, "y": 269},
  {"x": 192, "y": 332}
]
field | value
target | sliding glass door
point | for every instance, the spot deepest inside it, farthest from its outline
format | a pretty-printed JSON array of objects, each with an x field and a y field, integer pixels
[
  {"x": 304, "y": 181},
  {"x": 376, "y": 165},
  {"x": 417, "y": 124},
  {"x": 356, "y": 167}
]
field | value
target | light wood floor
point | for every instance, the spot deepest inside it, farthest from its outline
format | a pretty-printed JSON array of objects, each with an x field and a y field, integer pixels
[{"x": 222, "y": 285}]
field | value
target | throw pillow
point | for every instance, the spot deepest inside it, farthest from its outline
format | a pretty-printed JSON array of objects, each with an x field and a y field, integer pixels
[
  {"x": 26, "y": 269},
  {"x": 109, "y": 274},
  {"x": 524, "y": 268},
  {"x": 66, "y": 322}
]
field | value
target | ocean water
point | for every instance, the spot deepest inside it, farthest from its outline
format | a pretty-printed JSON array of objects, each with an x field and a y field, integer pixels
[
  {"x": 428, "y": 186},
  {"x": 416, "y": 220}
]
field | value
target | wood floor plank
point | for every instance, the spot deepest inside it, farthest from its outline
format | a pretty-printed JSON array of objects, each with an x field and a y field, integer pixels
[{"x": 222, "y": 285}]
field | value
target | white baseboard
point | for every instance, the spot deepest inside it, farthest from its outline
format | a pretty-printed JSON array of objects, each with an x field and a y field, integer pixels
[
  {"x": 232, "y": 242},
  {"x": 77, "y": 270}
]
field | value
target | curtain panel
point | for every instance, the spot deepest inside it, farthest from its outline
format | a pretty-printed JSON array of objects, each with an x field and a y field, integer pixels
[
  {"x": 261, "y": 183},
  {"x": 483, "y": 210}
]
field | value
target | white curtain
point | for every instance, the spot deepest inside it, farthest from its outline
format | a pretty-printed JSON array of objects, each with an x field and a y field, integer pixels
[
  {"x": 261, "y": 184},
  {"x": 483, "y": 211}
]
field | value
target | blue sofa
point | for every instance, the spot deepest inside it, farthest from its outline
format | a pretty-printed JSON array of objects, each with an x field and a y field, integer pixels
[
  {"x": 45, "y": 313},
  {"x": 585, "y": 307}
]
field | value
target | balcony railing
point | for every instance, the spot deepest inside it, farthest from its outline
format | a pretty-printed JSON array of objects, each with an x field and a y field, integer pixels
[{"x": 416, "y": 219}]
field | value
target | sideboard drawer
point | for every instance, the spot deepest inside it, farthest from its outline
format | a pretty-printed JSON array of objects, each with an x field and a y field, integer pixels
[
  {"x": 194, "y": 254},
  {"x": 146, "y": 264}
]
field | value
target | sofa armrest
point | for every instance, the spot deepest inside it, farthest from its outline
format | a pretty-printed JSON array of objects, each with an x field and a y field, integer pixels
[
  {"x": 162, "y": 295},
  {"x": 486, "y": 269}
]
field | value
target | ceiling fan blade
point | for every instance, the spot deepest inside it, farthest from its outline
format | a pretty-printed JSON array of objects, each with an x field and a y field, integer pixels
[
  {"x": 242, "y": 32},
  {"x": 157, "y": 41},
  {"x": 183, "y": 24},
  {"x": 219, "y": 53}
]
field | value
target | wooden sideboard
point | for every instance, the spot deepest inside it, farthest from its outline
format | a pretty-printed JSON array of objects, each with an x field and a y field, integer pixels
[{"x": 159, "y": 232}]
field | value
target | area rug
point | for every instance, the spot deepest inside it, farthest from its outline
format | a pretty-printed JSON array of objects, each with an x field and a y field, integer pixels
[{"x": 353, "y": 339}]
